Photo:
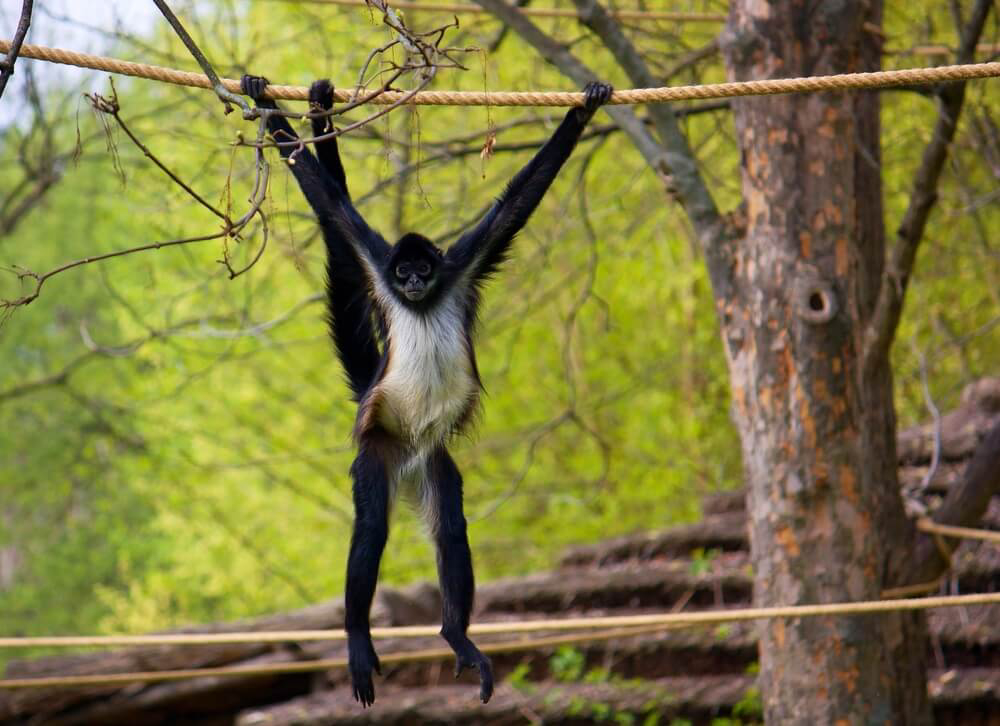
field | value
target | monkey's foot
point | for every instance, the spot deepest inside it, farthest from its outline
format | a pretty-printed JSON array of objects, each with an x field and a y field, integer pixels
[
  {"x": 361, "y": 661},
  {"x": 467, "y": 655}
]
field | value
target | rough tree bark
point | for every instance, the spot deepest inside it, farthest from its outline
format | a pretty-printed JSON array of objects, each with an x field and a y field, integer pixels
[{"x": 817, "y": 428}]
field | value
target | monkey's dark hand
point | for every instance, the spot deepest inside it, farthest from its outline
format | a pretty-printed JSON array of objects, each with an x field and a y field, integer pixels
[
  {"x": 595, "y": 95},
  {"x": 253, "y": 86},
  {"x": 321, "y": 95},
  {"x": 361, "y": 661}
]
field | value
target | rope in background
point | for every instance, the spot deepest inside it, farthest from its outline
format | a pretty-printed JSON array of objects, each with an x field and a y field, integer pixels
[
  {"x": 622, "y": 625},
  {"x": 848, "y": 81},
  {"x": 948, "y": 530},
  {"x": 413, "y": 656}
]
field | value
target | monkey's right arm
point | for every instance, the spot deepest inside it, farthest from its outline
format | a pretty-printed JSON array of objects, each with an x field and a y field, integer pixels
[
  {"x": 353, "y": 248},
  {"x": 324, "y": 185}
]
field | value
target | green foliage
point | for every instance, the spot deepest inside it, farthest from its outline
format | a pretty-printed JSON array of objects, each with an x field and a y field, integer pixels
[
  {"x": 519, "y": 678},
  {"x": 750, "y": 705},
  {"x": 598, "y": 675},
  {"x": 701, "y": 560},
  {"x": 567, "y": 664},
  {"x": 598, "y": 711}
]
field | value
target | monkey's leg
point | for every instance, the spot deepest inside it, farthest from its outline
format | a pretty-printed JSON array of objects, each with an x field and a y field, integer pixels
[
  {"x": 371, "y": 530},
  {"x": 454, "y": 562}
]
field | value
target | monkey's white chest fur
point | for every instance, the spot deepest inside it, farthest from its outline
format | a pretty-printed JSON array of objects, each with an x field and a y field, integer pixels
[{"x": 428, "y": 385}]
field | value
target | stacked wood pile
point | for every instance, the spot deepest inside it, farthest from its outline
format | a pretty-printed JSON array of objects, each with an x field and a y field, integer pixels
[{"x": 693, "y": 674}]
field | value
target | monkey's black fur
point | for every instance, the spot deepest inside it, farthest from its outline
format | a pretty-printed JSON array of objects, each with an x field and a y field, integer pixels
[{"x": 401, "y": 317}]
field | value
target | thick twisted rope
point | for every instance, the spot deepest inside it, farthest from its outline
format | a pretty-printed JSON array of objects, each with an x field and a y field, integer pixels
[{"x": 844, "y": 82}]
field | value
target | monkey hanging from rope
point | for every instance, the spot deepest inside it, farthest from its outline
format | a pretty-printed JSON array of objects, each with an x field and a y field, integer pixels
[{"x": 402, "y": 318}]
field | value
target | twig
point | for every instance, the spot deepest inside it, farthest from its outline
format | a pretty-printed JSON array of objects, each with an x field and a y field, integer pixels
[
  {"x": 111, "y": 107},
  {"x": 40, "y": 279},
  {"x": 7, "y": 65},
  {"x": 936, "y": 413}
]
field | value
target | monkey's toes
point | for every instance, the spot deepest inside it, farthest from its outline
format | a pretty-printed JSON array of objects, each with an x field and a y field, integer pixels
[
  {"x": 485, "y": 680},
  {"x": 482, "y": 664},
  {"x": 362, "y": 662},
  {"x": 364, "y": 693}
]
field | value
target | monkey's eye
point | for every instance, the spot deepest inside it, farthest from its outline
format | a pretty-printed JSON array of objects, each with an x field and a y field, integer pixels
[
  {"x": 403, "y": 270},
  {"x": 424, "y": 269}
]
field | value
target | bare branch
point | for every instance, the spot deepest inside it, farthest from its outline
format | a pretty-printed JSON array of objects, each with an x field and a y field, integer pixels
[
  {"x": 963, "y": 506},
  {"x": 111, "y": 107},
  {"x": 7, "y": 65},
  {"x": 881, "y": 328},
  {"x": 41, "y": 278},
  {"x": 225, "y": 95},
  {"x": 672, "y": 158},
  {"x": 679, "y": 159},
  {"x": 559, "y": 55}
]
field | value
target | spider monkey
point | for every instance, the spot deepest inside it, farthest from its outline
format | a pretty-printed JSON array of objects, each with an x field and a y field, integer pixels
[{"x": 402, "y": 318}]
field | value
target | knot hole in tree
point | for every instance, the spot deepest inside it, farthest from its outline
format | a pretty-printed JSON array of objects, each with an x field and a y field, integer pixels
[{"x": 815, "y": 300}]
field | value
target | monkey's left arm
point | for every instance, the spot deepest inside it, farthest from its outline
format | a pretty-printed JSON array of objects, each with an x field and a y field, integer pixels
[{"x": 480, "y": 251}]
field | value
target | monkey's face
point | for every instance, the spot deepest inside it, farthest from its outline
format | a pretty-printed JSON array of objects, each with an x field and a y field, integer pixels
[
  {"x": 414, "y": 268},
  {"x": 414, "y": 277}
]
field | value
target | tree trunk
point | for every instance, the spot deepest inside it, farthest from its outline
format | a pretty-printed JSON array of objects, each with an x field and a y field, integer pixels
[{"x": 817, "y": 429}]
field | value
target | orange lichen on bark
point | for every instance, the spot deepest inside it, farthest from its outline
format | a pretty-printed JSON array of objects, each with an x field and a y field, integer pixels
[
  {"x": 778, "y": 633},
  {"x": 849, "y": 485},
  {"x": 786, "y": 538},
  {"x": 805, "y": 244},
  {"x": 821, "y": 392},
  {"x": 833, "y": 212},
  {"x": 848, "y": 679},
  {"x": 740, "y": 400},
  {"x": 819, "y": 221},
  {"x": 777, "y": 136},
  {"x": 842, "y": 260},
  {"x": 806, "y": 417}
]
